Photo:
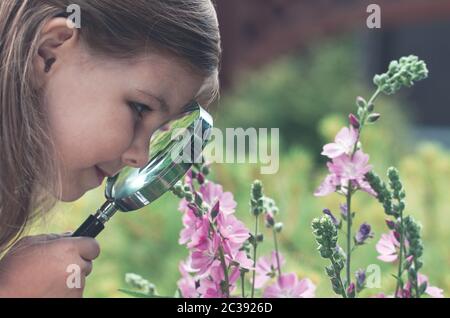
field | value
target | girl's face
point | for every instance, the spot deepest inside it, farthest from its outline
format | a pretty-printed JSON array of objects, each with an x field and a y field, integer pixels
[{"x": 93, "y": 104}]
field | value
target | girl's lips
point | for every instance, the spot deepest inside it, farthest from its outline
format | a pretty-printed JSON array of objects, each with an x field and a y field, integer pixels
[{"x": 100, "y": 174}]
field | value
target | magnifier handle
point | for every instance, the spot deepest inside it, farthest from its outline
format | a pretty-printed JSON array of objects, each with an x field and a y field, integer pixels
[{"x": 90, "y": 228}]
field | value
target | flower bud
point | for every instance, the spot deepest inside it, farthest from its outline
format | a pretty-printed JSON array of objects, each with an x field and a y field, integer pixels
[
  {"x": 275, "y": 210},
  {"x": 351, "y": 292},
  {"x": 353, "y": 121},
  {"x": 423, "y": 287},
  {"x": 361, "y": 102},
  {"x": 193, "y": 207},
  {"x": 410, "y": 259},
  {"x": 397, "y": 236},
  {"x": 215, "y": 210},
  {"x": 198, "y": 199},
  {"x": 269, "y": 220},
  {"x": 344, "y": 210},
  {"x": 205, "y": 170},
  {"x": 408, "y": 262},
  {"x": 257, "y": 189},
  {"x": 412, "y": 273},
  {"x": 177, "y": 190},
  {"x": 333, "y": 218},
  {"x": 260, "y": 238},
  {"x": 178, "y": 187},
  {"x": 200, "y": 178},
  {"x": 390, "y": 224},
  {"x": 260, "y": 201},
  {"x": 189, "y": 197},
  {"x": 373, "y": 117},
  {"x": 278, "y": 227},
  {"x": 360, "y": 276},
  {"x": 363, "y": 234},
  {"x": 252, "y": 240}
]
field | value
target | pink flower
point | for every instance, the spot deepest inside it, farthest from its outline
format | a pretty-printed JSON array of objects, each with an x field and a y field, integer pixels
[
  {"x": 435, "y": 292},
  {"x": 266, "y": 268},
  {"x": 196, "y": 227},
  {"x": 183, "y": 206},
  {"x": 212, "y": 193},
  {"x": 432, "y": 291},
  {"x": 387, "y": 247},
  {"x": 240, "y": 260},
  {"x": 234, "y": 274},
  {"x": 288, "y": 286},
  {"x": 201, "y": 233},
  {"x": 191, "y": 223},
  {"x": 210, "y": 289},
  {"x": 328, "y": 186},
  {"x": 233, "y": 232},
  {"x": 344, "y": 143},
  {"x": 205, "y": 255},
  {"x": 187, "y": 282},
  {"x": 351, "y": 169},
  {"x": 345, "y": 169}
]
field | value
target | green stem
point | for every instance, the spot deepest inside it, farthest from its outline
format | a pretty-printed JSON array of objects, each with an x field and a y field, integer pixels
[
  {"x": 225, "y": 272},
  {"x": 349, "y": 233},
  {"x": 362, "y": 121},
  {"x": 276, "y": 251},
  {"x": 349, "y": 192},
  {"x": 254, "y": 255},
  {"x": 400, "y": 257},
  {"x": 374, "y": 96},
  {"x": 416, "y": 283},
  {"x": 243, "y": 284}
]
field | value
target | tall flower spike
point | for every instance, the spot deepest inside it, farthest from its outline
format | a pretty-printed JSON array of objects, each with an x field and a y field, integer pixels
[
  {"x": 403, "y": 72},
  {"x": 326, "y": 237}
]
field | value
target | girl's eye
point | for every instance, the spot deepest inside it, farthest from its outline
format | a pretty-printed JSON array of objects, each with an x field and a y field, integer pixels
[{"x": 139, "y": 108}]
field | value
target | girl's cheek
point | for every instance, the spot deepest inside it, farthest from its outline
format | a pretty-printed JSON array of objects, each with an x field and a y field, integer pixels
[{"x": 117, "y": 142}]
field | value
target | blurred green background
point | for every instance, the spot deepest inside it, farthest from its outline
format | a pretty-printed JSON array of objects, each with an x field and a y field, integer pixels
[{"x": 307, "y": 96}]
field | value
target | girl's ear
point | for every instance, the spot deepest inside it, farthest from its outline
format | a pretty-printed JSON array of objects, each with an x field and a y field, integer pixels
[{"x": 57, "y": 37}]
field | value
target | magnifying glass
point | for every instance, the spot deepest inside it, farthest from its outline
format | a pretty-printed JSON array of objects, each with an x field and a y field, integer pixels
[{"x": 173, "y": 150}]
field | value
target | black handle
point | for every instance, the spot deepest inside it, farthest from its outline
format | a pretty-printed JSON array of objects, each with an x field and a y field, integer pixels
[{"x": 90, "y": 228}]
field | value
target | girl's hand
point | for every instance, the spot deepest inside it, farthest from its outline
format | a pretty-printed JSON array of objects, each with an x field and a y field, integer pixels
[{"x": 48, "y": 265}]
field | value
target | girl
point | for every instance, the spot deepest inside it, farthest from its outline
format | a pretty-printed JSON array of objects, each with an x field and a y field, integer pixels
[{"x": 78, "y": 103}]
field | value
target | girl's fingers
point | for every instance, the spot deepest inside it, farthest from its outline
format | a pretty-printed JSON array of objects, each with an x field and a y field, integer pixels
[
  {"x": 88, "y": 248},
  {"x": 86, "y": 267}
]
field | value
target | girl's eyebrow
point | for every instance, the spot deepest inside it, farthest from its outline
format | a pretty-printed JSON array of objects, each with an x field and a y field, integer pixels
[{"x": 162, "y": 102}]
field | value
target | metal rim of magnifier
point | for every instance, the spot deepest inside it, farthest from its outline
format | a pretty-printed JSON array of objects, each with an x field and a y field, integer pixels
[{"x": 173, "y": 172}]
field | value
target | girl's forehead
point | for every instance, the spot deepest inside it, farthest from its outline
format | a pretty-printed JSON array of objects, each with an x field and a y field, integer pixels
[{"x": 157, "y": 65}]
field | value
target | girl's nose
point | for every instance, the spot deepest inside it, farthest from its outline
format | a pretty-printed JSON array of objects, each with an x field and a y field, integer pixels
[{"x": 136, "y": 156}]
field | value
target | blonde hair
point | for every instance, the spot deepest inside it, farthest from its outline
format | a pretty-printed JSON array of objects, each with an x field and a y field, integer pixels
[{"x": 29, "y": 175}]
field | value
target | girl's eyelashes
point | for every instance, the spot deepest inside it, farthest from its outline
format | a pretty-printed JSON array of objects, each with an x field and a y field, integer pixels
[{"x": 139, "y": 108}]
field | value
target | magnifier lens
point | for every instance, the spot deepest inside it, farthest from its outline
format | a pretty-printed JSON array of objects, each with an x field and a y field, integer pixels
[
  {"x": 167, "y": 164},
  {"x": 173, "y": 149}
]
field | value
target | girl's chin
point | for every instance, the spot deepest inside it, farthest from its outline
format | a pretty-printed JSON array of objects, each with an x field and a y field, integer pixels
[
  {"x": 71, "y": 197},
  {"x": 73, "y": 192}
]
